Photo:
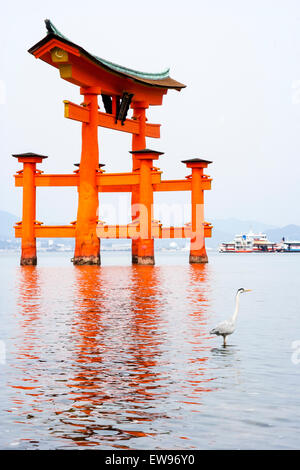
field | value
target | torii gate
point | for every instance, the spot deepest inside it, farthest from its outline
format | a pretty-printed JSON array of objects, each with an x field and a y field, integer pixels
[{"x": 120, "y": 88}]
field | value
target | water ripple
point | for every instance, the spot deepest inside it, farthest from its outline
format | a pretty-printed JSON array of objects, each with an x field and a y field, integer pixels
[{"x": 121, "y": 357}]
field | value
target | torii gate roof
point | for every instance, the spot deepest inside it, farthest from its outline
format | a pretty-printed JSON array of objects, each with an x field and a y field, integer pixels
[{"x": 157, "y": 80}]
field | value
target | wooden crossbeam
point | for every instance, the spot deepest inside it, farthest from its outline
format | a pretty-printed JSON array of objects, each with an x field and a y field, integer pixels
[
  {"x": 45, "y": 180},
  {"x": 81, "y": 113},
  {"x": 180, "y": 185},
  {"x": 76, "y": 112},
  {"x": 112, "y": 231},
  {"x": 49, "y": 231},
  {"x": 113, "y": 182},
  {"x": 104, "y": 180},
  {"x": 130, "y": 231}
]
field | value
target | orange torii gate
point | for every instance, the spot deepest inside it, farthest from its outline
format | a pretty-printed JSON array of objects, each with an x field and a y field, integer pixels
[{"x": 120, "y": 88}]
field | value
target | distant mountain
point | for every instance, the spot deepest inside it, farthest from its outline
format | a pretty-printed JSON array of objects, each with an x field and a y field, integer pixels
[
  {"x": 289, "y": 232},
  {"x": 7, "y": 222},
  {"x": 235, "y": 226},
  {"x": 218, "y": 236}
]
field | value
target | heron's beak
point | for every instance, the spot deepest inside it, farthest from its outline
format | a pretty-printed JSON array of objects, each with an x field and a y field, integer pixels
[{"x": 248, "y": 290}]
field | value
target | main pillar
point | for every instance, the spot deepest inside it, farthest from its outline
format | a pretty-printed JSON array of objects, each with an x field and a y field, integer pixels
[
  {"x": 138, "y": 143},
  {"x": 28, "y": 243},
  {"x": 145, "y": 245},
  {"x": 87, "y": 244},
  {"x": 197, "y": 247}
]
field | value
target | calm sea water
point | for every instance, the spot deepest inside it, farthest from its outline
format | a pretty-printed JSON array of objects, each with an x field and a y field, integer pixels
[{"x": 120, "y": 357}]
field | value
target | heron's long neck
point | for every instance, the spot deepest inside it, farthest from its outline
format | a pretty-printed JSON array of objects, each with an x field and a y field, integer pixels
[{"x": 236, "y": 311}]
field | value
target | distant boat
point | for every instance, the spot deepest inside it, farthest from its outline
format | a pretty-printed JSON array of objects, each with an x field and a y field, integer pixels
[
  {"x": 292, "y": 246},
  {"x": 249, "y": 243}
]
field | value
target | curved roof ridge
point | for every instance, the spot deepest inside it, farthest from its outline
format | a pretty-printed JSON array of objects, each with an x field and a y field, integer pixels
[
  {"x": 51, "y": 29},
  {"x": 149, "y": 75}
]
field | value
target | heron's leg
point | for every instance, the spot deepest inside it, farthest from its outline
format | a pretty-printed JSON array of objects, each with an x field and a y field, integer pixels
[{"x": 224, "y": 340}]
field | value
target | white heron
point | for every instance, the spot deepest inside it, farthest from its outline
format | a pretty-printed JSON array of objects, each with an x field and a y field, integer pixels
[{"x": 227, "y": 327}]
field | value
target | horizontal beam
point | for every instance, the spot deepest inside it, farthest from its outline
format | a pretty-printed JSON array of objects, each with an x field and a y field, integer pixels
[
  {"x": 50, "y": 180},
  {"x": 81, "y": 113},
  {"x": 124, "y": 188},
  {"x": 76, "y": 112},
  {"x": 104, "y": 180},
  {"x": 113, "y": 182},
  {"x": 183, "y": 232},
  {"x": 118, "y": 179},
  {"x": 82, "y": 72},
  {"x": 173, "y": 185},
  {"x": 180, "y": 185},
  {"x": 49, "y": 231},
  {"x": 129, "y": 231}
]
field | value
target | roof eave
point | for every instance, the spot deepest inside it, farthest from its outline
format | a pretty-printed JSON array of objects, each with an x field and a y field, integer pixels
[{"x": 148, "y": 82}]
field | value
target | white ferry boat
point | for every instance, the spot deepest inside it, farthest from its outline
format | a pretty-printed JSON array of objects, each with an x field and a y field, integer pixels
[{"x": 248, "y": 243}]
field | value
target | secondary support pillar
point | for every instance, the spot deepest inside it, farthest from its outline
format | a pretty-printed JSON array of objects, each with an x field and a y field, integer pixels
[
  {"x": 197, "y": 248},
  {"x": 138, "y": 143},
  {"x": 145, "y": 246},
  {"x": 28, "y": 243},
  {"x": 87, "y": 244}
]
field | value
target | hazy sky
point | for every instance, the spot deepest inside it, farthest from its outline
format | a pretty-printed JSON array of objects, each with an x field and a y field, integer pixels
[{"x": 240, "y": 61}]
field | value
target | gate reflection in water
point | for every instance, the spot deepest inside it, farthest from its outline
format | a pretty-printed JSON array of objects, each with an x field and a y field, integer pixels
[
  {"x": 121, "y": 357},
  {"x": 113, "y": 357}
]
